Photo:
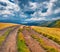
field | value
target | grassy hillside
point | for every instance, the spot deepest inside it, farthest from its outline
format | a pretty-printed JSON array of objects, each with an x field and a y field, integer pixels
[
  {"x": 4, "y": 25},
  {"x": 51, "y": 33},
  {"x": 55, "y": 24},
  {"x": 28, "y": 38}
]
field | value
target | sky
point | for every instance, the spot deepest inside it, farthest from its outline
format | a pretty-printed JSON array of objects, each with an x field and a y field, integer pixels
[{"x": 25, "y": 11}]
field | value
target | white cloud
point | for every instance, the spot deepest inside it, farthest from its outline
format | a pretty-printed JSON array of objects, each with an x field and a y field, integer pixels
[
  {"x": 49, "y": 6},
  {"x": 5, "y": 15},
  {"x": 57, "y": 10},
  {"x": 33, "y": 5},
  {"x": 22, "y": 15},
  {"x": 35, "y": 19},
  {"x": 45, "y": 4},
  {"x": 9, "y": 9},
  {"x": 56, "y": 18},
  {"x": 38, "y": 15}
]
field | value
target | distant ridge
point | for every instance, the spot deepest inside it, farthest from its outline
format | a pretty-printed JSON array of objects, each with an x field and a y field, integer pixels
[{"x": 55, "y": 24}]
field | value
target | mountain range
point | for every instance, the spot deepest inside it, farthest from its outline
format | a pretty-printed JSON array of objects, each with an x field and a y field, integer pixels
[{"x": 55, "y": 23}]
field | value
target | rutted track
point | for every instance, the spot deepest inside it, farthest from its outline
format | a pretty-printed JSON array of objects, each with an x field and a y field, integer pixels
[
  {"x": 5, "y": 29},
  {"x": 9, "y": 44},
  {"x": 46, "y": 40},
  {"x": 31, "y": 43}
]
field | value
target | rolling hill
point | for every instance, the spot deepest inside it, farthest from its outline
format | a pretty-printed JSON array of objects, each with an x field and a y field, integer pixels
[
  {"x": 55, "y": 24},
  {"x": 4, "y": 25},
  {"x": 21, "y": 38}
]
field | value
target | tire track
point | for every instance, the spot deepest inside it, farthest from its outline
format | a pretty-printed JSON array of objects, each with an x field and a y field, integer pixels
[
  {"x": 9, "y": 44},
  {"x": 5, "y": 29},
  {"x": 31, "y": 43},
  {"x": 46, "y": 40}
]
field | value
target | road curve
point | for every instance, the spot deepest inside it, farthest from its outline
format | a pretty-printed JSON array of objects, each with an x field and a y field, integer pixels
[{"x": 9, "y": 44}]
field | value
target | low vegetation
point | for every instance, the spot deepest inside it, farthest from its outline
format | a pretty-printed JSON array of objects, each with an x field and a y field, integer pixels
[
  {"x": 45, "y": 46},
  {"x": 51, "y": 33},
  {"x": 4, "y": 25},
  {"x": 21, "y": 45},
  {"x": 28, "y": 28}
]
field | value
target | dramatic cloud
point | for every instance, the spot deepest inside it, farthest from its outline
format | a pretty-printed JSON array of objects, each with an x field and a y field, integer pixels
[
  {"x": 55, "y": 18},
  {"x": 8, "y": 8},
  {"x": 45, "y": 8},
  {"x": 29, "y": 10}
]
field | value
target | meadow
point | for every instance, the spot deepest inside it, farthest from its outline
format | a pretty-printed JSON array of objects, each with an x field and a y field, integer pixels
[
  {"x": 45, "y": 46},
  {"x": 27, "y": 38},
  {"x": 4, "y": 25},
  {"x": 51, "y": 33}
]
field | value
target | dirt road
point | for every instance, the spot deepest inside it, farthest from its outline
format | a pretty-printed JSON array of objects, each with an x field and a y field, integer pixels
[
  {"x": 31, "y": 43},
  {"x": 9, "y": 44},
  {"x": 6, "y": 29}
]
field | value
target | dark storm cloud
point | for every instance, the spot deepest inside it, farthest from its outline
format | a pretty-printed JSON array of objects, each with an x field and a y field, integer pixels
[
  {"x": 3, "y": 3},
  {"x": 11, "y": 1}
]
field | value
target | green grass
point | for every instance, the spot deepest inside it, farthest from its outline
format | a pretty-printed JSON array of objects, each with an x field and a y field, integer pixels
[
  {"x": 20, "y": 30},
  {"x": 21, "y": 45},
  {"x": 2, "y": 38},
  {"x": 46, "y": 47}
]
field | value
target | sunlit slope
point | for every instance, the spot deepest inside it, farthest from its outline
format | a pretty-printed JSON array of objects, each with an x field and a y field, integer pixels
[
  {"x": 55, "y": 24},
  {"x": 51, "y": 33},
  {"x": 4, "y": 25}
]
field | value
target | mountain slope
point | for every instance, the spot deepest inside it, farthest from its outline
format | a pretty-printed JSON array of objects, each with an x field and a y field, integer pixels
[
  {"x": 39, "y": 23},
  {"x": 55, "y": 24}
]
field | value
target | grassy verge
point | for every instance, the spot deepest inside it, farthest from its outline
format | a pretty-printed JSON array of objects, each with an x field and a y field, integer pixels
[
  {"x": 5, "y": 25},
  {"x": 51, "y": 33},
  {"x": 46, "y": 47},
  {"x": 2, "y": 38},
  {"x": 21, "y": 43}
]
